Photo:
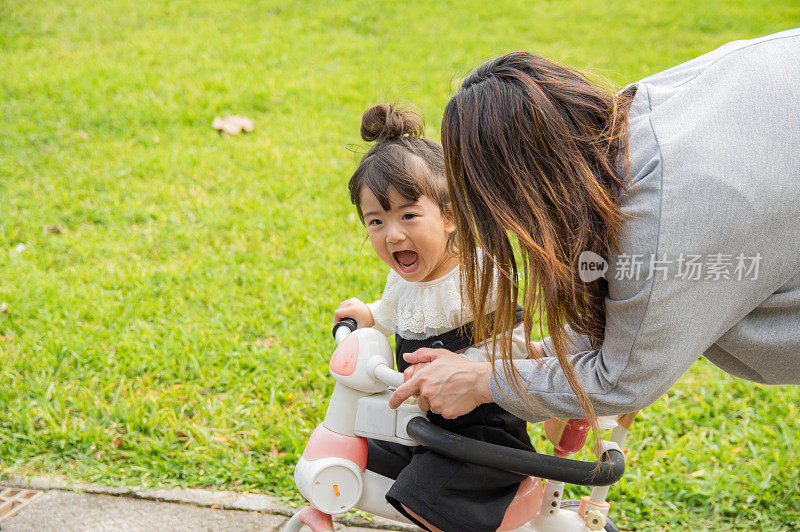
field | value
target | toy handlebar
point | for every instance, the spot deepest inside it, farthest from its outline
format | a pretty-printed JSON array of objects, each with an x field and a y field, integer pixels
[
  {"x": 606, "y": 472},
  {"x": 347, "y": 323}
]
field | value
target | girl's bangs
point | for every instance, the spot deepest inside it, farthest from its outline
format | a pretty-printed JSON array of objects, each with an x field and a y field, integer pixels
[{"x": 383, "y": 173}]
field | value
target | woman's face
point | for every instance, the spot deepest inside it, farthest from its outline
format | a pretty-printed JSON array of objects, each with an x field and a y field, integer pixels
[{"x": 411, "y": 237}]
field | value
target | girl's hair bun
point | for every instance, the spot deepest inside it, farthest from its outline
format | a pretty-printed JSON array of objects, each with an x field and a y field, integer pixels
[{"x": 384, "y": 122}]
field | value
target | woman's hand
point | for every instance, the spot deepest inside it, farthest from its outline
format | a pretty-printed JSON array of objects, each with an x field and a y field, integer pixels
[
  {"x": 444, "y": 382},
  {"x": 354, "y": 308}
]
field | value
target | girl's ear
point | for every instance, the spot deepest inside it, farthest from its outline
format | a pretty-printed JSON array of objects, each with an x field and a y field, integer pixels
[
  {"x": 450, "y": 229},
  {"x": 449, "y": 222}
]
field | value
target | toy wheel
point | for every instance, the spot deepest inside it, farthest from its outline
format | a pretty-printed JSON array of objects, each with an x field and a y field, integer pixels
[{"x": 572, "y": 506}]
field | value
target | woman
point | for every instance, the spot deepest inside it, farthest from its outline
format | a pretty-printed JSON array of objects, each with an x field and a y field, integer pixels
[{"x": 686, "y": 185}]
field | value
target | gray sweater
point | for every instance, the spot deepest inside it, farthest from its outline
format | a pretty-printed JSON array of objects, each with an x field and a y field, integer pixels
[{"x": 710, "y": 261}]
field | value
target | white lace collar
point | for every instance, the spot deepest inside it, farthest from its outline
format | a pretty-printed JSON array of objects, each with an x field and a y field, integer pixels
[{"x": 419, "y": 310}]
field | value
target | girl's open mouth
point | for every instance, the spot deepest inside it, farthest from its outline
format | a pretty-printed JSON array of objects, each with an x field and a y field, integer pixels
[{"x": 406, "y": 260}]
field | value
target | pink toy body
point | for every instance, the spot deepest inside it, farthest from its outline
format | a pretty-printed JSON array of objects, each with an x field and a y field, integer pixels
[
  {"x": 344, "y": 359},
  {"x": 525, "y": 505},
  {"x": 325, "y": 443},
  {"x": 567, "y": 435}
]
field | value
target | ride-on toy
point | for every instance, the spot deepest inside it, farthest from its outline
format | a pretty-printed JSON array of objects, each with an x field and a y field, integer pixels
[{"x": 331, "y": 473}]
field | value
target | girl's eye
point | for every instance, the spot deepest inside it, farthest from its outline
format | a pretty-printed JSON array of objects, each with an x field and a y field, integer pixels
[
  {"x": 409, "y": 216},
  {"x": 374, "y": 223}
]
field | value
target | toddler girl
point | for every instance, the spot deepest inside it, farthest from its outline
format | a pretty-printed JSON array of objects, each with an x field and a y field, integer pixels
[{"x": 400, "y": 193}]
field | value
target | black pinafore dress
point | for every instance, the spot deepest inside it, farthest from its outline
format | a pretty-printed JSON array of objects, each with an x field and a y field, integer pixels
[{"x": 451, "y": 495}]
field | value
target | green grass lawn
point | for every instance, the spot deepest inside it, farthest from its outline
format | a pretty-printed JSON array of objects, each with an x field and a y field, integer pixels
[{"x": 176, "y": 330}]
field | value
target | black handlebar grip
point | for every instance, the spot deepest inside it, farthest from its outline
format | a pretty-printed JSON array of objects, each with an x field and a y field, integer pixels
[{"x": 350, "y": 323}]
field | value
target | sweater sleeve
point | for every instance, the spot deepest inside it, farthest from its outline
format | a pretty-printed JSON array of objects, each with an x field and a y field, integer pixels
[
  {"x": 651, "y": 340},
  {"x": 576, "y": 342}
]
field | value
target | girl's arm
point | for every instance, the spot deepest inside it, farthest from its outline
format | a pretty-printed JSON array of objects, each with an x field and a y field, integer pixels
[
  {"x": 385, "y": 329},
  {"x": 363, "y": 313},
  {"x": 355, "y": 309}
]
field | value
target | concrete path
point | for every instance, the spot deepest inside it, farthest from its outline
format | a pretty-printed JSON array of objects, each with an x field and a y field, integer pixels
[
  {"x": 73, "y": 512},
  {"x": 69, "y": 507}
]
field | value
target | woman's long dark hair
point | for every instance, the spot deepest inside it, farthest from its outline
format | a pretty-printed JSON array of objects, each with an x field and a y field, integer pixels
[{"x": 531, "y": 151}]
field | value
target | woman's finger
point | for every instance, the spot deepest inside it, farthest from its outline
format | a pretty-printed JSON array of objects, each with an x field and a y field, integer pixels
[
  {"x": 424, "y": 354},
  {"x": 423, "y": 404},
  {"x": 414, "y": 369},
  {"x": 403, "y": 392}
]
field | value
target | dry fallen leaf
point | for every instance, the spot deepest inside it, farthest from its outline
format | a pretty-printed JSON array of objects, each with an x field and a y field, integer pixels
[
  {"x": 6, "y": 338},
  {"x": 233, "y": 124},
  {"x": 53, "y": 229},
  {"x": 266, "y": 343},
  {"x": 116, "y": 443},
  {"x": 275, "y": 452}
]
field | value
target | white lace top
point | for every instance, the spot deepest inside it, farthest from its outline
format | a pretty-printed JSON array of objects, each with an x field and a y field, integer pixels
[{"x": 419, "y": 310}]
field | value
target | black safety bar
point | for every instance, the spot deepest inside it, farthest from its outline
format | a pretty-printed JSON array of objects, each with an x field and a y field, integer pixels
[{"x": 606, "y": 472}]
